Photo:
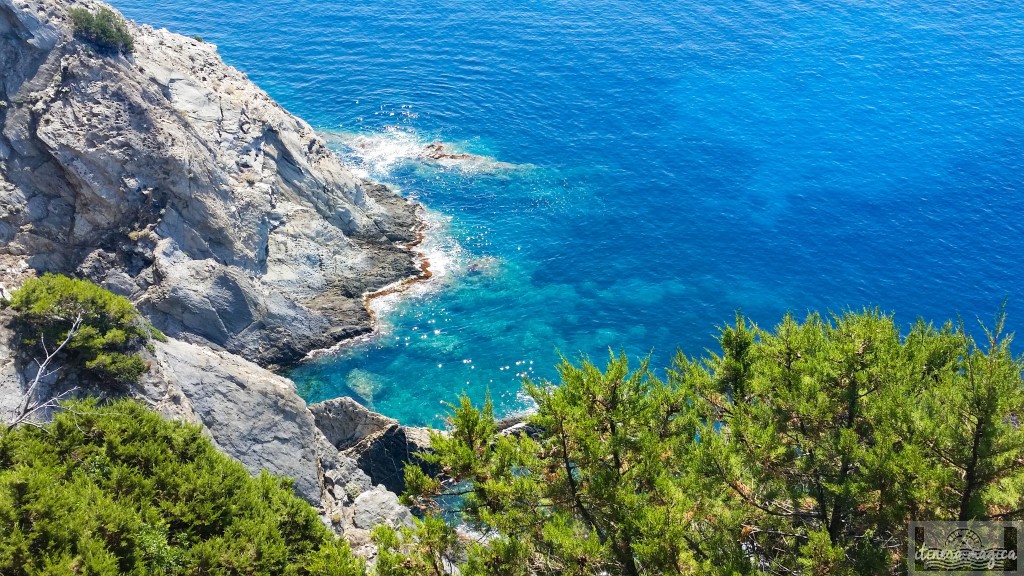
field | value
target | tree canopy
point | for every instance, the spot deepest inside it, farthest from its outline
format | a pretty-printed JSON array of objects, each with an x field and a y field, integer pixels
[
  {"x": 105, "y": 29},
  {"x": 801, "y": 449},
  {"x": 804, "y": 449}
]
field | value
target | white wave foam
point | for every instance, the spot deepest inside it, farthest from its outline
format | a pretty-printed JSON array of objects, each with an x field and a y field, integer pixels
[
  {"x": 448, "y": 262},
  {"x": 379, "y": 153}
]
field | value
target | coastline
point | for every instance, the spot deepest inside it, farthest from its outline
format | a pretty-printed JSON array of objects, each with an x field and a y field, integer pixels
[{"x": 423, "y": 263}]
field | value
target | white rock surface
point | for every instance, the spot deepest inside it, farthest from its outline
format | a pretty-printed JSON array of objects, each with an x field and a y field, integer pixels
[{"x": 379, "y": 506}]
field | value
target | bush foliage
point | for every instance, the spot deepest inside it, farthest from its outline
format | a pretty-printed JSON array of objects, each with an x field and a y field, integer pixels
[
  {"x": 804, "y": 449},
  {"x": 106, "y": 343},
  {"x": 114, "y": 489},
  {"x": 106, "y": 30}
]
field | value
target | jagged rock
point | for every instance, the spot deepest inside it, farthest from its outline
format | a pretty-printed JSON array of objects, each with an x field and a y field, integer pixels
[
  {"x": 346, "y": 481},
  {"x": 384, "y": 454},
  {"x": 168, "y": 176},
  {"x": 438, "y": 151},
  {"x": 345, "y": 422},
  {"x": 248, "y": 412},
  {"x": 379, "y": 445},
  {"x": 518, "y": 424}
]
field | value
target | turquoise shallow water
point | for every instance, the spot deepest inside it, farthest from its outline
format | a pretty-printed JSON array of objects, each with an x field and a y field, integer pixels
[{"x": 651, "y": 167}]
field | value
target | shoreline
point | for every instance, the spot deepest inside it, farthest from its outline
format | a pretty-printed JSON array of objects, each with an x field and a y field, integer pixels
[{"x": 422, "y": 261}]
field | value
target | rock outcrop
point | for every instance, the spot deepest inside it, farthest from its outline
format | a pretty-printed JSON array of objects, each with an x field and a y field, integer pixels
[
  {"x": 258, "y": 418},
  {"x": 167, "y": 176},
  {"x": 380, "y": 446},
  {"x": 248, "y": 412},
  {"x": 345, "y": 422},
  {"x": 383, "y": 455}
]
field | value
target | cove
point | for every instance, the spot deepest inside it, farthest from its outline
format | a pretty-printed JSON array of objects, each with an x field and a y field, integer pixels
[{"x": 641, "y": 171}]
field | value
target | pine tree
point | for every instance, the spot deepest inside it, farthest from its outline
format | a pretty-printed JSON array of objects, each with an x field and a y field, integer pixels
[{"x": 805, "y": 449}]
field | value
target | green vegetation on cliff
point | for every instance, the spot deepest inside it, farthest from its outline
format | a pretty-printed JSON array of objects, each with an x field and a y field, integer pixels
[
  {"x": 104, "y": 332},
  {"x": 804, "y": 449},
  {"x": 106, "y": 30},
  {"x": 114, "y": 489}
]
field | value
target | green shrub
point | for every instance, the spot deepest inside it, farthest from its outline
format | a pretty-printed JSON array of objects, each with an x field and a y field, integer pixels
[
  {"x": 156, "y": 334},
  {"x": 114, "y": 489},
  {"x": 111, "y": 333},
  {"x": 106, "y": 30}
]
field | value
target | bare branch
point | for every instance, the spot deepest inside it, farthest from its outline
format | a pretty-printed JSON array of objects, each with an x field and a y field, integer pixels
[{"x": 29, "y": 404}]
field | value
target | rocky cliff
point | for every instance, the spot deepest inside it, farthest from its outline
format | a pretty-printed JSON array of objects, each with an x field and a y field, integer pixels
[{"x": 167, "y": 176}]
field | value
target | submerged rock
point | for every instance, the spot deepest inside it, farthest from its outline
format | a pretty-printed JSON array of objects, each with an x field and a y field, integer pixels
[{"x": 364, "y": 384}]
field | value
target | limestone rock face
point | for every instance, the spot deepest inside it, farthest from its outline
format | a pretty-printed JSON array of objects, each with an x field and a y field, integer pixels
[
  {"x": 345, "y": 422},
  {"x": 169, "y": 177}
]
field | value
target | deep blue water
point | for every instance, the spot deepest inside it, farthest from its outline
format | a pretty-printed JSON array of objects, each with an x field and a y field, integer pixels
[{"x": 671, "y": 162}]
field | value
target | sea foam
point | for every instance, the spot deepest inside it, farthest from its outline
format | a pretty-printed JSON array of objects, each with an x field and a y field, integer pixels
[{"x": 377, "y": 154}]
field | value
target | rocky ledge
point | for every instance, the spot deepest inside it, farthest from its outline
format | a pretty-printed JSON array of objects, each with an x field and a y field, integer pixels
[{"x": 379, "y": 446}]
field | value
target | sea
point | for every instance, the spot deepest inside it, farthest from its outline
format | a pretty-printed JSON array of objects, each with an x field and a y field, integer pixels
[{"x": 625, "y": 176}]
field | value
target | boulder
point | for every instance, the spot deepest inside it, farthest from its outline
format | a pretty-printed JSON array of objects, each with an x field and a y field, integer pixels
[
  {"x": 345, "y": 422},
  {"x": 384, "y": 454},
  {"x": 379, "y": 506},
  {"x": 250, "y": 413}
]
